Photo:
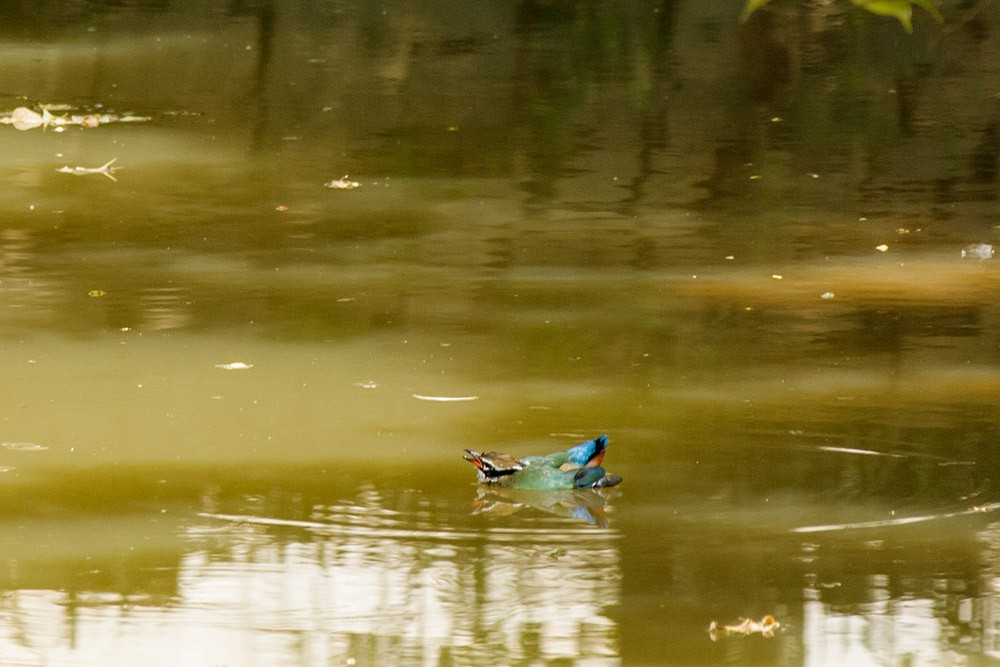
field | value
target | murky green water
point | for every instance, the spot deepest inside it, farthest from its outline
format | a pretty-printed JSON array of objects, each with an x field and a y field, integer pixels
[{"x": 735, "y": 250}]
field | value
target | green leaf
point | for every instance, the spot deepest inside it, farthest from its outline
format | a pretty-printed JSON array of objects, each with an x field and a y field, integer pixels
[
  {"x": 899, "y": 9},
  {"x": 750, "y": 8}
]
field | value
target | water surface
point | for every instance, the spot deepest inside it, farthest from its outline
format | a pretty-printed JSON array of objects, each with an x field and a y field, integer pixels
[{"x": 735, "y": 249}]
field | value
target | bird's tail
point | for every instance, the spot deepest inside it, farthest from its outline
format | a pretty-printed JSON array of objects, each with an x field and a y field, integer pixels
[{"x": 590, "y": 453}]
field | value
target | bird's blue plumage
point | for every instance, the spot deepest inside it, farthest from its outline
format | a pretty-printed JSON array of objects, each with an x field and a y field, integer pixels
[{"x": 586, "y": 453}]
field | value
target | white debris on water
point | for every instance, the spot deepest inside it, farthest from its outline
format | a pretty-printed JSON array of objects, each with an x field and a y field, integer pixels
[
  {"x": 234, "y": 366},
  {"x": 342, "y": 184},
  {"x": 978, "y": 251},
  {"x": 444, "y": 399}
]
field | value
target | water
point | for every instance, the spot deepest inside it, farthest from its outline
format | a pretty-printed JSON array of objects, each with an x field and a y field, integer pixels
[{"x": 736, "y": 250}]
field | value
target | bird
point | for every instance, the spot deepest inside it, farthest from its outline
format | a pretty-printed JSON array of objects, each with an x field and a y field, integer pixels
[{"x": 578, "y": 467}]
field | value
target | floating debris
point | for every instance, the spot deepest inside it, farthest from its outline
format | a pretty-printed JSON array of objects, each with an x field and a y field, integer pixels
[
  {"x": 96, "y": 293},
  {"x": 882, "y": 248},
  {"x": 370, "y": 384},
  {"x": 444, "y": 399},
  {"x": 978, "y": 251},
  {"x": 343, "y": 184},
  {"x": 746, "y": 627},
  {"x": 827, "y": 295},
  {"x": 23, "y": 118},
  {"x": 235, "y": 366},
  {"x": 105, "y": 169},
  {"x": 24, "y": 446}
]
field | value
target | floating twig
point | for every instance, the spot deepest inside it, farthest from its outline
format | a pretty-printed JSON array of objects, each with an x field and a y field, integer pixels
[{"x": 105, "y": 169}]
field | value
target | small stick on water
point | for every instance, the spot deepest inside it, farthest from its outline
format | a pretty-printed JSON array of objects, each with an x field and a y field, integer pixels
[{"x": 105, "y": 169}]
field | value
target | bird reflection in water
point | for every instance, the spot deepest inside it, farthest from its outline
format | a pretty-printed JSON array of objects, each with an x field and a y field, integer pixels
[{"x": 578, "y": 504}]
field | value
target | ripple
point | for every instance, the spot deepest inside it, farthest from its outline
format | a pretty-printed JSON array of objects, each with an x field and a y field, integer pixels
[{"x": 23, "y": 446}]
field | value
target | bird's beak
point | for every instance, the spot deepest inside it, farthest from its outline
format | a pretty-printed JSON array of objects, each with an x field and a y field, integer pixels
[{"x": 474, "y": 457}]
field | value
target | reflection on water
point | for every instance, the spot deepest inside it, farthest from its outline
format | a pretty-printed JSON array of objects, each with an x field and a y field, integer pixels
[
  {"x": 906, "y": 632},
  {"x": 410, "y": 578},
  {"x": 375, "y": 581},
  {"x": 735, "y": 248},
  {"x": 29, "y": 296},
  {"x": 581, "y": 504},
  {"x": 164, "y": 308},
  {"x": 919, "y": 614}
]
